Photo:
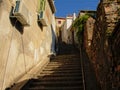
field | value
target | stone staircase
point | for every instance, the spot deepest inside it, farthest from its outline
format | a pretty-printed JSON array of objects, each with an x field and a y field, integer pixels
[{"x": 62, "y": 73}]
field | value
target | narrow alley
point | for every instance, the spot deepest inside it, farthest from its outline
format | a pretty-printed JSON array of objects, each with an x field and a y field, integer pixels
[{"x": 76, "y": 50}]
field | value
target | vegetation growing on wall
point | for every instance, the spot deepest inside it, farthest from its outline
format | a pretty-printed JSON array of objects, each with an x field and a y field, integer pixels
[{"x": 79, "y": 26}]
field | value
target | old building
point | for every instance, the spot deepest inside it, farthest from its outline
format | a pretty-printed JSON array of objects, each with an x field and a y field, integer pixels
[
  {"x": 66, "y": 33},
  {"x": 65, "y": 27},
  {"x": 27, "y": 28},
  {"x": 59, "y": 22}
]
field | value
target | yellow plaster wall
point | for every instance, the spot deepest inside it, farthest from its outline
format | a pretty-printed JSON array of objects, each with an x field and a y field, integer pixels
[{"x": 20, "y": 52}]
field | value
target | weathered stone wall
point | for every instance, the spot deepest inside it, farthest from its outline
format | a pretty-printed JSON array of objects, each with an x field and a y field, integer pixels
[
  {"x": 101, "y": 54},
  {"x": 22, "y": 48},
  {"x": 88, "y": 34},
  {"x": 98, "y": 41},
  {"x": 115, "y": 41}
]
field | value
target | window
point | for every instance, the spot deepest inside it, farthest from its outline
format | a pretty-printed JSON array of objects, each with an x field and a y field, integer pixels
[
  {"x": 42, "y": 13},
  {"x": 59, "y": 22}
]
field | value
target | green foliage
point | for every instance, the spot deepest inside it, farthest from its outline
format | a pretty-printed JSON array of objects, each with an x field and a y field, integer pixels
[{"x": 79, "y": 26}]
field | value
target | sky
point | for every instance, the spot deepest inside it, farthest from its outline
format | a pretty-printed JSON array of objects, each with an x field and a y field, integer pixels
[{"x": 66, "y": 7}]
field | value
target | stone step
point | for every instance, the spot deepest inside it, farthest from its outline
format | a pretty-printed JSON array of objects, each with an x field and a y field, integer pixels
[
  {"x": 52, "y": 68},
  {"x": 57, "y": 83},
  {"x": 70, "y": 64},
  {"x": 55, "y": 88},
  {"x": 61, "y": 74},
  {"x": 64, "y": 63},
  {"x": 68, "y": 60},
  {"x": 61, "y": 71},
  {"x": 66, "y": 78},
  {"x": 61, "y": 68}
]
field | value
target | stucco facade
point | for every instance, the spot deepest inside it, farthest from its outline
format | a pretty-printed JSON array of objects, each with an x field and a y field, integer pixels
[
  {"x": 66, "y": 28},
  {"x": 59, "y": 22},
  {"x": 24, "y": 47}
]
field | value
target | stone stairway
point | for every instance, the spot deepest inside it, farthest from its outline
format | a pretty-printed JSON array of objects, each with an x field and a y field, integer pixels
[{"x": 62, "y": 73}]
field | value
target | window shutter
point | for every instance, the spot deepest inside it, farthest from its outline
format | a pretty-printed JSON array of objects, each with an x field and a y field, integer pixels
[{"x": 41, "y": 5}]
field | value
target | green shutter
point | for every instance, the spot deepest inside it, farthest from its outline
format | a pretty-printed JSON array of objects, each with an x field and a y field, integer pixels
[
  {"x": 41, "y": 6},
  {"x": 44, "y": 5}
]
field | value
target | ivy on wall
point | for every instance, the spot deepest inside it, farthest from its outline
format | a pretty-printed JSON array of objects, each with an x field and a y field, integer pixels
[{"x": 79, "y": 26}]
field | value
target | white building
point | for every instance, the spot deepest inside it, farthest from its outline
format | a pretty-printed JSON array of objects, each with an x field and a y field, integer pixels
[{"x": 66, "y": 28}]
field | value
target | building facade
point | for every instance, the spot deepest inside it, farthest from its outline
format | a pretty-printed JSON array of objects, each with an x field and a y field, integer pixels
[
  {"x": 25, "y": 26},
  {"x": 59, "y": 22},
  {"x": 66, "y": 33}
]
